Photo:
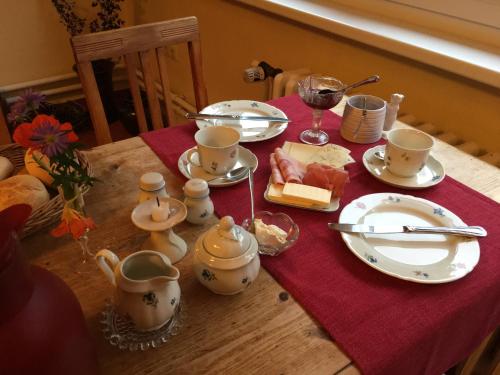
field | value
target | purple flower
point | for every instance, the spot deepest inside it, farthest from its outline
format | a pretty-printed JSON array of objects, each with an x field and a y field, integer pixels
[
  {"x": 25, "y": 106},
  {"x": 17, "y": 112},
  {"x": 51, "y": 137},
  {"x": 32, "y": 99}
]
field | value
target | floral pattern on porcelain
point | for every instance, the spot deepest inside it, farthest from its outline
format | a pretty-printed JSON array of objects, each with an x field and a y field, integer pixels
[
  {"x": 370, "y": 258},
  {"x": 438, "y": 211},
  {"x": 207, "y": 275},
  {"x": 392, "y": 199},
  {"x": 360, "y": 205},
  {"x": 150, "y": 299},
  {"x": 421, "y": 274}
]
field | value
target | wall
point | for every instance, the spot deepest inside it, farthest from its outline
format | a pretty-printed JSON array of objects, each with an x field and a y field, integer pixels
[
  {"x": 34, "y": 43},
  {"x": 35, "y": 46},
  {"x": 233, "y": 35}
]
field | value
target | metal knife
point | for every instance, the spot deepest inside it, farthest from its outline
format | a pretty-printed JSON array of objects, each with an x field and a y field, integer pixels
[
  {"x": 204, "y": 116},
  {"x": 473, "y": 231}
]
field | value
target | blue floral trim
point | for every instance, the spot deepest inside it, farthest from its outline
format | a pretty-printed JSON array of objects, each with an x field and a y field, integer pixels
[
  {"x": 207, "y": 275},
  {"x": 438, "y": 211},
  {"x": 370, "y": 258},
  {"x": 421, "y": 274}
]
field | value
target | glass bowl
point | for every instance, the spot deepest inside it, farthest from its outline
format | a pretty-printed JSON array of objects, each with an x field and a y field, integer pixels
[{"x": 283, "y": 222}]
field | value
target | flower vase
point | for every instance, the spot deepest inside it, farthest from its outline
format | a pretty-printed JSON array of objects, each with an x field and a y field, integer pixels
[{"x": 77, "y": 224}]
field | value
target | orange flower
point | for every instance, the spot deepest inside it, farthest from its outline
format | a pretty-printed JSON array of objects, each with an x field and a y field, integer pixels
[
  {"x": 46, "y": 134},
  {"x": 73, "y": 222}
]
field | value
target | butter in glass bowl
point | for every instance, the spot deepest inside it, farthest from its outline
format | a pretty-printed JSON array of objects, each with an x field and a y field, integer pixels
[{"x": 275, "y": 232}]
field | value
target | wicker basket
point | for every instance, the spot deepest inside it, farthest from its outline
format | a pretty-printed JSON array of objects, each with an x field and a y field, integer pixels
[{"x": 51, "y": 211}]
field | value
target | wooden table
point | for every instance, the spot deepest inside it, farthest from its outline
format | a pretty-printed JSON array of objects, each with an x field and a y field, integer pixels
[{"x": 256, "y": 332}]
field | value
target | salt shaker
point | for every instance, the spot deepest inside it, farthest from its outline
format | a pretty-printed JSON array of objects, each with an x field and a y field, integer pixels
[
  {"x": 197, "y": 200},
  {"x": 152, "y": 185}
]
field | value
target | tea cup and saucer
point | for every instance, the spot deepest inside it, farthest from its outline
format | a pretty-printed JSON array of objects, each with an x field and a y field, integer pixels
[
  {"x": 216, "y": 154},
  {"x": 407, "y": 162}
]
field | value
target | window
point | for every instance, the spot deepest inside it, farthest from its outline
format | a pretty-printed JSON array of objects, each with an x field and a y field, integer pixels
[{"x": 482, "y": 12}]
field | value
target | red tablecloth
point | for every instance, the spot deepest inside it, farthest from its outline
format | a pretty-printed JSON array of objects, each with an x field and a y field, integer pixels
[{"x": 386, "y": 325}]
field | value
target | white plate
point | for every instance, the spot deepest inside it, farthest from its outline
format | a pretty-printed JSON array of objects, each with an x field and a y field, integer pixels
[
  {"x": 251, "y": 131},
  {"x": 334, "y": 203},
  {"x": 432, "y": 173},
  {"x": 245, "y": 158},
  {"x": 422, "y": 258}
]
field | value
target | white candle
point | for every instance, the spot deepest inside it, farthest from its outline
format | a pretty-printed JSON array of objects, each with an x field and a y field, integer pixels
[{"x": 161, "y": 212}]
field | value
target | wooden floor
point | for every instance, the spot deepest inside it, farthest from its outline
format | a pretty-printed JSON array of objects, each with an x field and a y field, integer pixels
[{"x": 88, "y": 139}]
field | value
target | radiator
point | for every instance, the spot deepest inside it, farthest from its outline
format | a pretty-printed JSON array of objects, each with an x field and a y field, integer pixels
[{"x": 286, "y": 83}]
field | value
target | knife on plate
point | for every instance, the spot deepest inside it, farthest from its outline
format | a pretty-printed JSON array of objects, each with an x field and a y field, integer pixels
[
  {"x": 204, "y": 116},
  {"x": 472, "y": 231}
]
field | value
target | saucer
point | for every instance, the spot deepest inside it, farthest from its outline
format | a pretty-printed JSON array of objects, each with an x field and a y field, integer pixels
[
  {"x": 120, "y": 331},
  {"x": 188, "y": 170},
  {"x": 432, "y": 173},
  {"x": 141, "y": 215}
]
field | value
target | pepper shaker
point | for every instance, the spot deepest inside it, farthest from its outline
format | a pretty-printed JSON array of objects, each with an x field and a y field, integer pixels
[
  {"x": 392, "y": 111},
  {"x": 152, "y": 185},
  {"x": 197, "y": 200}
]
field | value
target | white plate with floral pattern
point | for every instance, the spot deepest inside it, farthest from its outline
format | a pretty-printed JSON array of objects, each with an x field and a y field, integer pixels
[
  {"x": 422, "y": 258},
  {"x": 431, "y": 174},
  {"x": 251, "y": 131}
]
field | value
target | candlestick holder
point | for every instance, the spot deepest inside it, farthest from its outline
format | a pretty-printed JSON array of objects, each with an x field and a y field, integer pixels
[{"x": 162, "y": 237}]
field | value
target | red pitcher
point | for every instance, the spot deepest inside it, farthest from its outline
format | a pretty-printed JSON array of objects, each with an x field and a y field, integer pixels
[{"x": 42, "y": 328}]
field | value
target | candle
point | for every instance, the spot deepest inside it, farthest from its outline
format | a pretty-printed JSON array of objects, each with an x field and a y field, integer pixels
[{"x": 160, "y": 211}]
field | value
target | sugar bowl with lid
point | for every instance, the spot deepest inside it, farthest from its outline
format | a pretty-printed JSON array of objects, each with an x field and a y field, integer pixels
[{"x": 226, "y": 258}]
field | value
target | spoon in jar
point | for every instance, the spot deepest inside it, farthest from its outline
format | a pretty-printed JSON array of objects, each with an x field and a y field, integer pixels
[
  {"x": 232, "y": 175},
  {"x": 365, "y": 81}
]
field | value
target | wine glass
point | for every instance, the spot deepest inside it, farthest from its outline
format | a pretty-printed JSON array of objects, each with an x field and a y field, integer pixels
[{"x": 319, "y": 92}]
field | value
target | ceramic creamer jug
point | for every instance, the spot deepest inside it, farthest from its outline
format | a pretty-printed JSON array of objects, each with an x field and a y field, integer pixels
[
  {"x": 146, "y": 285},
  {"x": 226, "y": 258}
]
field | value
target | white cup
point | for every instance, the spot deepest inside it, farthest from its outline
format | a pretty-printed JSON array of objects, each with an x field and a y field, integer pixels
[
  {"x": 363, "y": 119},
  {"x": 217, "y": 149},
  {"x": 406, "y": 151}
]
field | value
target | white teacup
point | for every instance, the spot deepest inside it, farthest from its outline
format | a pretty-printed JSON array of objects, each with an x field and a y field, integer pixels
[
  {"x": 217, "y": 149},
  {"x": 406, "y": 151}
]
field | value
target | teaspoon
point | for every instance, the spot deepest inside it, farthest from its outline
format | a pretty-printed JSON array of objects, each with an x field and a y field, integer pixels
[
  {"x": 232, "y": 175},
  {"x": 379, "y": 154}
]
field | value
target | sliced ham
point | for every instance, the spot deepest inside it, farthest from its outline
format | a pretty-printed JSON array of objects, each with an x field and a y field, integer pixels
[
  {"x": 276, "y": 176},
  {"x": 291, "y": 170},
  {"x": 326, "y": 177}
]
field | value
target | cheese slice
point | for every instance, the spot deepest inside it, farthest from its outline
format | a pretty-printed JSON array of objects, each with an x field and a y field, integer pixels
[
  {"x": 275, "y": 194},
  {"x": 329, "y": 154},
  {"x": 304, "y": 194}
]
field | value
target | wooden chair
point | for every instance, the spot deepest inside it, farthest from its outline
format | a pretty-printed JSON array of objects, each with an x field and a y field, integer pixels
[
  {"x": 4, "y": 130},
  {"x": 143, "y": 44}
]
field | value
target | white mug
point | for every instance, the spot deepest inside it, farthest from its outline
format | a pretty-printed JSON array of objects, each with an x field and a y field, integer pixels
[
  {"x": 217, "y": 149},
  {"x": 363, "y": 119},
  {"x": 406, "y": 151}
]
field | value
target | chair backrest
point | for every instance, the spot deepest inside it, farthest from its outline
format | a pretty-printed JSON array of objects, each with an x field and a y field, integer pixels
[
  {"x": 142, "y": 45},
  {"x": 4, "y": 130}
]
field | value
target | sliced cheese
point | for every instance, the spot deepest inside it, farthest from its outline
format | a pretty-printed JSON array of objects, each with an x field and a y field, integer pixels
[
  {"x": 329, "y": 154},
  {"x": 304, "y": 194},
  {"x": 332, "y": 155},
  {"x": 275, "y": 194}
]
